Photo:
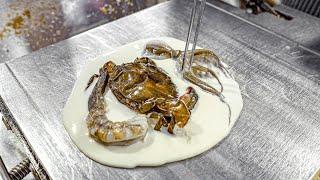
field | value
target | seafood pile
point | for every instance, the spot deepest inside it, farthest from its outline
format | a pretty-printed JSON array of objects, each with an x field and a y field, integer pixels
[
  {"x": 204, "y": 61},
  {"x": 148, "y": 90}
]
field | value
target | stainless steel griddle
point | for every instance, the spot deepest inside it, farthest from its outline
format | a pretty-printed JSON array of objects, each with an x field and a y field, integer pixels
[{"x": 277, "y": 64}]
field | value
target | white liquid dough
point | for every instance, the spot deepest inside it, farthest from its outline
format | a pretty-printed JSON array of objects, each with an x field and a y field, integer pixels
[{"x": 208, "y": 124}]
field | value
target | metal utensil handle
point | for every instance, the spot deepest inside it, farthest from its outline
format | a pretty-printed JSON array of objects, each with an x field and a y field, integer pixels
[
  {"x": 19, "y": 171},
  {"x": 193, "y": 13},
  {"x": 195, "y": 39},
  {"x": 16, "y": 173},
  {"x": 202, "y": 7}
]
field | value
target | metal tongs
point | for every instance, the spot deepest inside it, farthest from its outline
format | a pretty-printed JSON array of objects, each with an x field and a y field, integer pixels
[{"x": 198, "y": 6}]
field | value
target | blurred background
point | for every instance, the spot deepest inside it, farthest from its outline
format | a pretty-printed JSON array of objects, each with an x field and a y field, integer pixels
[{"x": 28, "y": 25}]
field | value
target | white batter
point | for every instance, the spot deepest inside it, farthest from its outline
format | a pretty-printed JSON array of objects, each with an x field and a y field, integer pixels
[{"x": 207, "y": 126}]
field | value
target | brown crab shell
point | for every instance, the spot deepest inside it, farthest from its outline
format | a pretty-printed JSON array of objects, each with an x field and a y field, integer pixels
[{"x": 138, "y": 83}]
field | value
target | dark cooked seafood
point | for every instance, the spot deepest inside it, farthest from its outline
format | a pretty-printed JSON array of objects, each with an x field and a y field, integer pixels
[
  {"x": 144, "y": 88},
  {"x": 202, "y": 67},
  {"x": 202, "y": 60},
  {"x": 105, "y": 130}
]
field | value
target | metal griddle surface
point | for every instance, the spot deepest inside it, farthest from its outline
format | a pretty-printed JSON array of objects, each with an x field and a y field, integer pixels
[{"x": 276, "y": 137}]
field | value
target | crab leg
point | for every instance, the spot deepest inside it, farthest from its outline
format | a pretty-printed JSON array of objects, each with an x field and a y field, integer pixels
[
  {"x": 105, "y": 130},
  {"x": 188, "y": 75},
  {"x": 160, "y": 50},
  {"x": 171, "y": 125},
  {"x": 161, "y": 121},
  {"x": 200, "y": 56},
  {"x": 177, "y": 111},
  {"x": 197, "y": 69},
  {"x": 92, "y": 78},
  {"x": 207, "y": 56},
  {"x": 193, "y": 79},
  {"x": 158, "y": 119}
]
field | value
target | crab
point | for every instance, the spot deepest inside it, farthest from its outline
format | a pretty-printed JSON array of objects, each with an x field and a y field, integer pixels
[
  {"x": 204, "y": 61},
  {"x": 147, "y": 89},
  {"x": 204, "y": 66}
]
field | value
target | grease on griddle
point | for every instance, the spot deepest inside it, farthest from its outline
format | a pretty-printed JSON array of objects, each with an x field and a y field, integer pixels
[
  {"x": 27, "y": 13},
  {"x": 15, "y": 24}
]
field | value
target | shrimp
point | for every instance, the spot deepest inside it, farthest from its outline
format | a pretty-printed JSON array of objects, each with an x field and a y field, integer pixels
[{"x": 103, "y": 129}]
